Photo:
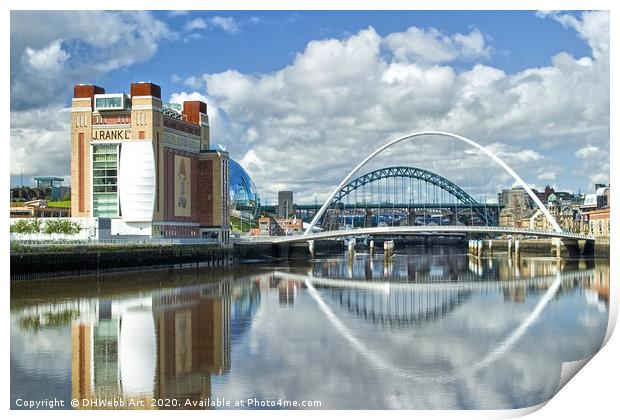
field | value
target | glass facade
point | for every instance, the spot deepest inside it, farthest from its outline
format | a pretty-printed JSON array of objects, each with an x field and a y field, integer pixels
[
  {"x": 243, "y": 194},
  {"x": 105, "y": 180},
  {"x": 109, "y": 102}
]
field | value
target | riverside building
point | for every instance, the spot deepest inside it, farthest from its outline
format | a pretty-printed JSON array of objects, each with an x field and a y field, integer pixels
[{"x": 147, "y": 166}]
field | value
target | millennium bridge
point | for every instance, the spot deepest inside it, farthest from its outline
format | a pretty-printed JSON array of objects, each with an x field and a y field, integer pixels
[{"x": 457, "y": 213}]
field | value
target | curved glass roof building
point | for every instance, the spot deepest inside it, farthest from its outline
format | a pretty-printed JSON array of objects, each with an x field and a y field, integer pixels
[{"x": 243, "y": 194}]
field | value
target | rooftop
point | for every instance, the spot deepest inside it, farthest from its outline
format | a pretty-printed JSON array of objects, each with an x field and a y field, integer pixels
[{"x": 48, "y": 178}]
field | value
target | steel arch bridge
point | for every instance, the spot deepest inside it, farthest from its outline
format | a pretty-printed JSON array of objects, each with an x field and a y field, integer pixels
[
  {"x": 412, "y": 173},
  {"x": 418, "y": 135}
]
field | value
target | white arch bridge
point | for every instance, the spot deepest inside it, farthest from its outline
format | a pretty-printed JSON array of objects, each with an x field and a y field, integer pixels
[{"x": 310, "y": 233}]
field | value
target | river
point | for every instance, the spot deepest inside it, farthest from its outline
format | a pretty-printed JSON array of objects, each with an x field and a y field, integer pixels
[{"x": 430, "y": 328}]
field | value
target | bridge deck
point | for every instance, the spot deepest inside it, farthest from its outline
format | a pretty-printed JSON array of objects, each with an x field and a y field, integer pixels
[{"x": 414, "y": 230}]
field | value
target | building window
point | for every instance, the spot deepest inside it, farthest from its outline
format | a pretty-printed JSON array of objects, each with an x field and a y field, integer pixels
[
  {"x": 115, "y": 102},
  {"x": 105, "y": 180}
]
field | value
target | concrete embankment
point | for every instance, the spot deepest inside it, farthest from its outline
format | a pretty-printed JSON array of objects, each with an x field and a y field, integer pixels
[
  {"x": 286, "y": 251},
  {"x": 548, "y": 247},
  {"x": 68, "y": 260},
  {"x": 601, "y": 248}
]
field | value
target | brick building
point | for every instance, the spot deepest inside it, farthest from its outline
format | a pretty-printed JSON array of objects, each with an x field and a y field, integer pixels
[{"x": 146, "y": 165}]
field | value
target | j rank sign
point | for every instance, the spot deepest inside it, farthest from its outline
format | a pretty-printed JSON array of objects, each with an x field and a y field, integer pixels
[{"x": 112, "y": 134}]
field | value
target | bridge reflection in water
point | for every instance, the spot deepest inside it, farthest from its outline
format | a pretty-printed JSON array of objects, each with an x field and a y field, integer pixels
[{"x": 176, "y": 340}]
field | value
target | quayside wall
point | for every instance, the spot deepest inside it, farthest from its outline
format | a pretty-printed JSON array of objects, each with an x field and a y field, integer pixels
[{"x": 28, "y": 263}]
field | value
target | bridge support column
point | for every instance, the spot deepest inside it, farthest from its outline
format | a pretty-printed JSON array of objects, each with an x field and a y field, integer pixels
[
  {"x": 517, "y": 249},
  {"x": 411, "y": 217},
  {"x": 368, "y": 218},
  {"x": 283, "y": 251},
  {"x": 388, "y": 250},
  {"x": 556, "y": 247},
  {"x": 311, "y": 248},
  {"x": 491, "y": 247},
  {"x": 351, "y": 248},
  {"x": 509, "y": 247},
  {"x": 479, "y": 249},
  {"x": 371, "y": 246}
]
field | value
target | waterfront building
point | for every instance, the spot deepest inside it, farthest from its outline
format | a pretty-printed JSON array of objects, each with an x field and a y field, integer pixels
[
  {"x": 598, "y": 222},
  {"x": 595, "y": 212},
  {"x": 53, "y": 183},
  {"x": 38, "y": 208},
  {"x": 47, "y": 188},
  {"x": 285, "y": 204},
  {"x": 244, "y": 197},
  {"x": 278, "y": 226},
  {"x": 516, "y": 204},
  {"x": 146, "y": 165}
]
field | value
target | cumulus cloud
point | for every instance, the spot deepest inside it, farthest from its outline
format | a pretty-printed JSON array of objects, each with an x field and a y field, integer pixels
[
  {"x": 50, "y": 58},
  {"x": 40, "y": 141},
  {"x": 44, "y": 70},
  {"x": 314, "y": 119},
  {"x": 587, "y": 151},
  {"x": 179, "y": 98},
  {"x": 592, "y": 27},
  {"x": 193, "y": 82},
  {"x": 433, "y": 46},
  {"x": 197, "y": 23},
  {"x": 227, "y": 24}
]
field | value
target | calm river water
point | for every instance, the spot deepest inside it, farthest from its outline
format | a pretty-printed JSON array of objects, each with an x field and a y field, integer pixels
[{"x": 430, "y": 329}]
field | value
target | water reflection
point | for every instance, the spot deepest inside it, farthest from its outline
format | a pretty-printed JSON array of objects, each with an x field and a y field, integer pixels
[{"x": 427, "y": 327}]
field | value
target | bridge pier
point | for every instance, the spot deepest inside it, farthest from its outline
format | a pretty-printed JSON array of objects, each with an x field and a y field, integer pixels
[
  {"x": 388, "y": 249},
  {"x": 491, "y": 247},
  {"x": 311, "y": 248},
  {"x": 351, "y": 248},
  {"x": 283, "y": 251},
  {"x": 368, "y": 218},
  {"x": 371, "y": 247},
  {"x": 517, "y": 249}
]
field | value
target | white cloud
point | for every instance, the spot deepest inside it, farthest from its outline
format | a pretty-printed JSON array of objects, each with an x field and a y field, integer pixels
[
  {"x": 587, "y": 151},
  {"x": 193, "y": 82},
  {"x": 48, "y": 70},
  {"x": 227, "y": 24},
  {"x": 197, "y": 23},
  {"x": 432, "y": 46},
  {"x": 340, "y": 98},
  {"x": 40, "y": 142},
  {"x": 50, "y": 58},
  {"x": 177, "y": 13},
  {"x": 547, "y": 176},
  {"x": 179, "y": 98},
  {"x": 593, "y": 27}
]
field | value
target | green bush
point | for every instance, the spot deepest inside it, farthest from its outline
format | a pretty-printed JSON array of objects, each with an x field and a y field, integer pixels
[
  {"x": 66, "y": 227},
  {"x": 26, "y": 226}
]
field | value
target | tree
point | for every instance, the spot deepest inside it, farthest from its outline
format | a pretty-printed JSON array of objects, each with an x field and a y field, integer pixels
[
  {"x": 26, "y": 226},
  {"x": 63, "y": 226}
]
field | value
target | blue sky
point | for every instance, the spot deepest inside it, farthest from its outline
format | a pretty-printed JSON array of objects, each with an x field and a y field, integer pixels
[
  {"x": 534, "y": 87},
  {"x": 272, "y": 42}
]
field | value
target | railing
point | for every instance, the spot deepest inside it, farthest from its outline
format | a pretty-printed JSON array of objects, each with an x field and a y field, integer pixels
[
  {"x": 414, "y": 229},
  {"x": 95, "y": 242}
]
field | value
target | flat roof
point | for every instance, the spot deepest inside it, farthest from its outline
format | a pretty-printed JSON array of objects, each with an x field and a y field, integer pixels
[{"x": 48, "y": 178}]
